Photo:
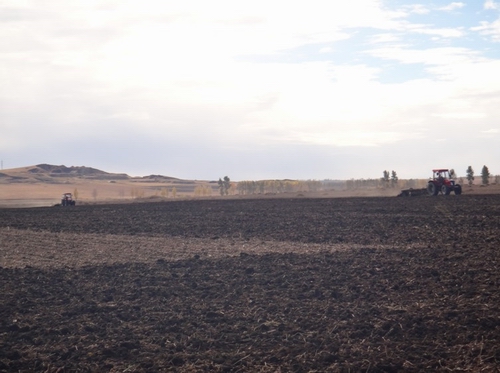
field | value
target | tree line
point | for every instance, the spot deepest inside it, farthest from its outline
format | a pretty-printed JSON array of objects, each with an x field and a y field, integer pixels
[
  {"x": 485, "y": 176},
  {"x": 278, "y": 186},
  {"x": 389, "y": 179}
]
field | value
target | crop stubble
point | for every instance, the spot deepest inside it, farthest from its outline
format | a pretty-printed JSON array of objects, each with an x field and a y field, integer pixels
[{"x": 360, "y": 284}]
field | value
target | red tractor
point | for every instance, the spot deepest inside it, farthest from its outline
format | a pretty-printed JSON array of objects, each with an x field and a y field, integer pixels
[
  {"x": 442, "y": 182},
  {"x": 67, "y": 200}
]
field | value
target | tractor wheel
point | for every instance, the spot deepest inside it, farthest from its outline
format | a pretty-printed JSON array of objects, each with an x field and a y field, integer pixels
[
  {"x": 458, "y": 189},
  {"x": 445, "y": 190},
  {"x": 432, "y": 189}
]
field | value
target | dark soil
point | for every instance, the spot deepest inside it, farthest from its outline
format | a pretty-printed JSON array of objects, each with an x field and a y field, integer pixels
[{"x": 420, "y": 294}]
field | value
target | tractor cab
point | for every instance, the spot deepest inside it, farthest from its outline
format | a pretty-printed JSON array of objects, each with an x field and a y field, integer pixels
[{"x": 443, "y": 175}]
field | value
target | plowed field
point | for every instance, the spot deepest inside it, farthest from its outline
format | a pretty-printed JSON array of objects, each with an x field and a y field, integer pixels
[{"x": 264, "y": 285}]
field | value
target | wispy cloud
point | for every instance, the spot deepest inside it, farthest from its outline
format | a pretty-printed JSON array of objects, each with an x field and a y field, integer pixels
[
  {"x": 417, "y": 9},
  {"x": 442, "y": 32},
  {"x": 490, "y": 4},
  {"x": 430, "y": 56},
  {"x": 385, "y": 38},
  {"x": 452, "y": 6},
  {"x": 491, "y": 29}
]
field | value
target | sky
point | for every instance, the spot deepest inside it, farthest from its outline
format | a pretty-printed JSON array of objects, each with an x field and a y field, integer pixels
[{"x": 252, "y": 90}]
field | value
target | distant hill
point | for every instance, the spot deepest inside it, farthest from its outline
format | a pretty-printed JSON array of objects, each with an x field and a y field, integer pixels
[
  {"x": 55, "y": 174},
  {"x": 51, "y": 173},
  {"x": 79, "y": 171},
  {"x": 74, "y": 171},
  {"x": 159, "y": 178}
]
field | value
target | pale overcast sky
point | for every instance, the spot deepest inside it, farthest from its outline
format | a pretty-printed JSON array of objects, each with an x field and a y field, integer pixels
[{"x": 252, "y": 90}]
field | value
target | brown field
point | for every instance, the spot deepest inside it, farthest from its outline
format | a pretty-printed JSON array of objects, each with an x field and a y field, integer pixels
[{"x": 253, "y": 285}]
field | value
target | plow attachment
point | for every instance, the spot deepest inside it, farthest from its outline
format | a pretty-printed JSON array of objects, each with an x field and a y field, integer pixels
[{"x": 413, "y": 192}]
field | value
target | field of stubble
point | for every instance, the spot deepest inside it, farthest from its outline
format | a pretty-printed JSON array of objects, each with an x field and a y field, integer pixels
[{"x": 299, "y": 285}]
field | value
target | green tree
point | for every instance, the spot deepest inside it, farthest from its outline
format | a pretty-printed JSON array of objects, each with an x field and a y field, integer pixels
[
  {"x": 224, "y": 185},
  {"x": 470, "y": 175},
  {"x": 394, "y": 178},
  {"x": 386, "y": 178},
  {"x": 485, "y": 175},
  {"x": 227, "y": 184}
]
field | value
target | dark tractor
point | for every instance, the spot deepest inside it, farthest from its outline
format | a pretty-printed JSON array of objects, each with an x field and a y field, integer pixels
[
  {"x": 441, "y": 182},
  {"x": 67, "y": 200}
]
